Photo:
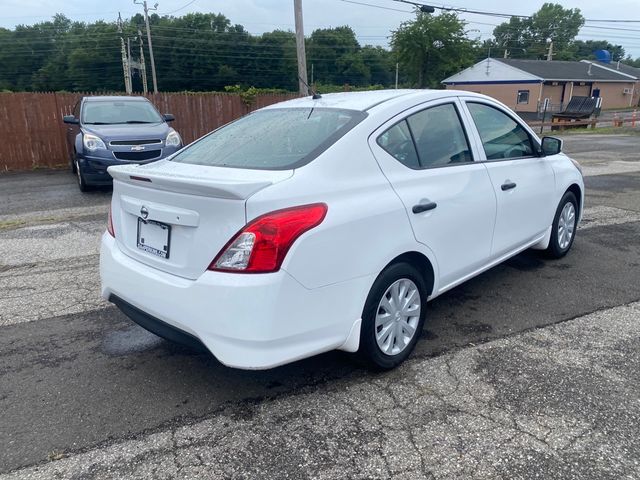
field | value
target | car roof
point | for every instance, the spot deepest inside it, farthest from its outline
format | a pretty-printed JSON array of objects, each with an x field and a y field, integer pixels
[
  {"x": 111, "y": 98},
  {"x": 361, "y": 101}
]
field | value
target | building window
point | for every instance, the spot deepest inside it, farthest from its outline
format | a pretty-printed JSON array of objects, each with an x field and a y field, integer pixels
[{"x": 523, "y": 97}]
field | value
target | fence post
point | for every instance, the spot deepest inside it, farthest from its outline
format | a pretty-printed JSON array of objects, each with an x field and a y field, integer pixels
[{"x": 61, "y": 127}]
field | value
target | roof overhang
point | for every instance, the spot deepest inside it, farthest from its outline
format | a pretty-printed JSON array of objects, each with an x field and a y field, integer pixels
[{"x": 495, "y": 82}]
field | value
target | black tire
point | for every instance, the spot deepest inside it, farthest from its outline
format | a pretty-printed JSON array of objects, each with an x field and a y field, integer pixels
[
  {"x": 72, "y": 162},
  {"x": 555, "y": 248},
  {"x": 369, "y": 352},
  {"x": 82, "y": 184}
]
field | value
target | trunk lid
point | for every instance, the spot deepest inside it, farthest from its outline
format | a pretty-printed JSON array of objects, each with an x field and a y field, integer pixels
[{"x": 192, "y": 211}]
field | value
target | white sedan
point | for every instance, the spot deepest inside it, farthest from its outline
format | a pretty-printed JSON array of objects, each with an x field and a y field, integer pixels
[{"x": 320, "y": 224}]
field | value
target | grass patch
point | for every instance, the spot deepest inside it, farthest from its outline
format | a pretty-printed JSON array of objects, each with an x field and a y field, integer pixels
[
  {"x": 10, "y": 224},
  {"x": 18, "y": 223},
  {"x": 55, "y": 455},
  {"x": 597, "y": 131}
]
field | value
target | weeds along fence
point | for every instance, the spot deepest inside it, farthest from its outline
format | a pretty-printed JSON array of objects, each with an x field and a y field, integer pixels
[{"x": 32, "y": 134}]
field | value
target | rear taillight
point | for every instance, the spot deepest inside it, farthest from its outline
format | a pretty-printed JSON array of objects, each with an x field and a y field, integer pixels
[
  {"x": 110, "y": 224},
  {"x": 261, "y": 246}
]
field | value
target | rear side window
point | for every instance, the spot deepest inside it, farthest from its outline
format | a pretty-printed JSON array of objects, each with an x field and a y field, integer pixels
[
  {"x": 433, "y": 137},
  {"x": 502, "y": 137},
  {"x": 439, "y": 136},
  {"x": 275, "y": 139},
  {"x": 398, "y": 143}
]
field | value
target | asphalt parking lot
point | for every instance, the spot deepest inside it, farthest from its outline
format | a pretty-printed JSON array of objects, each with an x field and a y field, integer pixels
[{"x": 527, "y": 371}]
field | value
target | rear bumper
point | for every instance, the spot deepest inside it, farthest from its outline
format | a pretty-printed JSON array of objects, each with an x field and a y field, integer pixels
[
  {"x": 155, "y": 325},
  {"x": 246, "y": 321}
]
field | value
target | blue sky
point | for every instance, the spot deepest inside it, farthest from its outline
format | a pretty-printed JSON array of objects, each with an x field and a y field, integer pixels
[{"x": 372, "y": 25}]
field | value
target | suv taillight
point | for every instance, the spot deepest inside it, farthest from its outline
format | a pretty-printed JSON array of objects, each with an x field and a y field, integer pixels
[
  {"x": 262, "y": 245},
  {"x": 110, "y": 224}
]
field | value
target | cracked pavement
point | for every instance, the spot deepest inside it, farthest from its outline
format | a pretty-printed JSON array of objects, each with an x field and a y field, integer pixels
[
  {"x": 527, "y": 371},
  {"x": 559, "y": 402}
]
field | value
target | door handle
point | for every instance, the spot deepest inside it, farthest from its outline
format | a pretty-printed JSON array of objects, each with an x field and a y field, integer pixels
[
  {"x": 508, "y": 186},
  {"x": 424, "y": 207}
]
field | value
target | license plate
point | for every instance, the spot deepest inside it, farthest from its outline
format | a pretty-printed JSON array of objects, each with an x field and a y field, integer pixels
[{"x": 154, "y": 237}]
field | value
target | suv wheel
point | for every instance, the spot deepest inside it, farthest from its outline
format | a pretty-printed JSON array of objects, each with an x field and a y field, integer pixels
[
  {"x": 72, "y": 161},
  {"x": 82, "y": 184}
]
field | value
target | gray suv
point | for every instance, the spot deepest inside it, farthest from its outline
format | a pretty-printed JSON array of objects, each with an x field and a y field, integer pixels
[{"x": 105, "y": 131}]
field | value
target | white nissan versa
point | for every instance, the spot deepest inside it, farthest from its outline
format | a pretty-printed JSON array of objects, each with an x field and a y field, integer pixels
[{"x": 328, "y": 223}]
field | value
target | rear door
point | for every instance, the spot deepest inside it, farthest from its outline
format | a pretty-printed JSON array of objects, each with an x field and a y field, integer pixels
[
  {"x": 523, "y": 181},
  {"x": 449, "y": 199}
]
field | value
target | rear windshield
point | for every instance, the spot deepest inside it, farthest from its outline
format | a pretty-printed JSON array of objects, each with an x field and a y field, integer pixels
[
  {"x": 273, "y": 139},
  {"x": 104, "y": 112}
]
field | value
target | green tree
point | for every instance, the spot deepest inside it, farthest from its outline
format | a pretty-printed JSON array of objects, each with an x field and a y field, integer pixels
[
  {"x": 276, "y": 61},
  {"x": 380, "y": 63},
  {"x": 529, "y": 37},
  {"x": 584, "y": 49},
  {"x": 432, "y": 47},
  {"x": 330, "y": 50}
]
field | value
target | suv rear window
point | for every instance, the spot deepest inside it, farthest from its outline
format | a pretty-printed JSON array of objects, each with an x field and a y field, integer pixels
[{"x": 273, "y": 139}]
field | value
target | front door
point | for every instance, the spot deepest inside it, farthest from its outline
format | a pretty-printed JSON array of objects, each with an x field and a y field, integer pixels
[
  {"x": 523, "y": 181},
  {"x": 448, "y": 197}
]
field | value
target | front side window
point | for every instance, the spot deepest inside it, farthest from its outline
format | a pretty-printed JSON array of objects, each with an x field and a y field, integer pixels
[
  {"x": 272, "y": 139},
  {"x": 502, "y": 137},
  {"x": 113, "y": 112}
]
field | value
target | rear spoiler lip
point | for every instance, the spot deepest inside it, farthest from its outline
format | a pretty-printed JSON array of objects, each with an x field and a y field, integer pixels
[{"x": 230, "y": 189}]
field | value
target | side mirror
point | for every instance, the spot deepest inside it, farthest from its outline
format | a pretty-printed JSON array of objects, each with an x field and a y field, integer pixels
[
  {"x": 551, "y": 145},
  {"x": 168, "y": 117},
  {"x": 70, "y": 119}
]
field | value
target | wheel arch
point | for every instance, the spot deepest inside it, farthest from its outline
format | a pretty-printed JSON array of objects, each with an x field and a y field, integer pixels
[
  {"x": 77, "y": 144},
  {"x": 577, "y": 191},
  {"x": 422, "y": 263}
]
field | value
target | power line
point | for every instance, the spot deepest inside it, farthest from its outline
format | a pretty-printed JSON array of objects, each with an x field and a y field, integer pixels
[
  {"x": 181, "y": 8},
  {"x": 146, "y": 21},
  {"x": 499, "y": 14},
  {"x": 377, "y": 6}
]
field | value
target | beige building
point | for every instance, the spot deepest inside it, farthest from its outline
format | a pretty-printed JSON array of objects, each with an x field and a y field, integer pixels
[{"x": 524, "y": 85}]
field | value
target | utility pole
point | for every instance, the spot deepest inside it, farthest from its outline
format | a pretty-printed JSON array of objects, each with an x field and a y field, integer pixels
[
  {"x": 129, "y": 62},
  {"x": 397, "y": 68},
  {"x": 137, "y": 65},
  {"x": 302, "y": 58},
  {"x": 125, "y": 59},
  {"x": 146, "y": 21},
  {"x": 550, "y": 52},
  {"x": 143, "y": 67}
]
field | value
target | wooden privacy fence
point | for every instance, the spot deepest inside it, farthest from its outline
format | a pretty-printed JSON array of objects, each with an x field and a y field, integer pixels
[{"x": 32, "y": 133}]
